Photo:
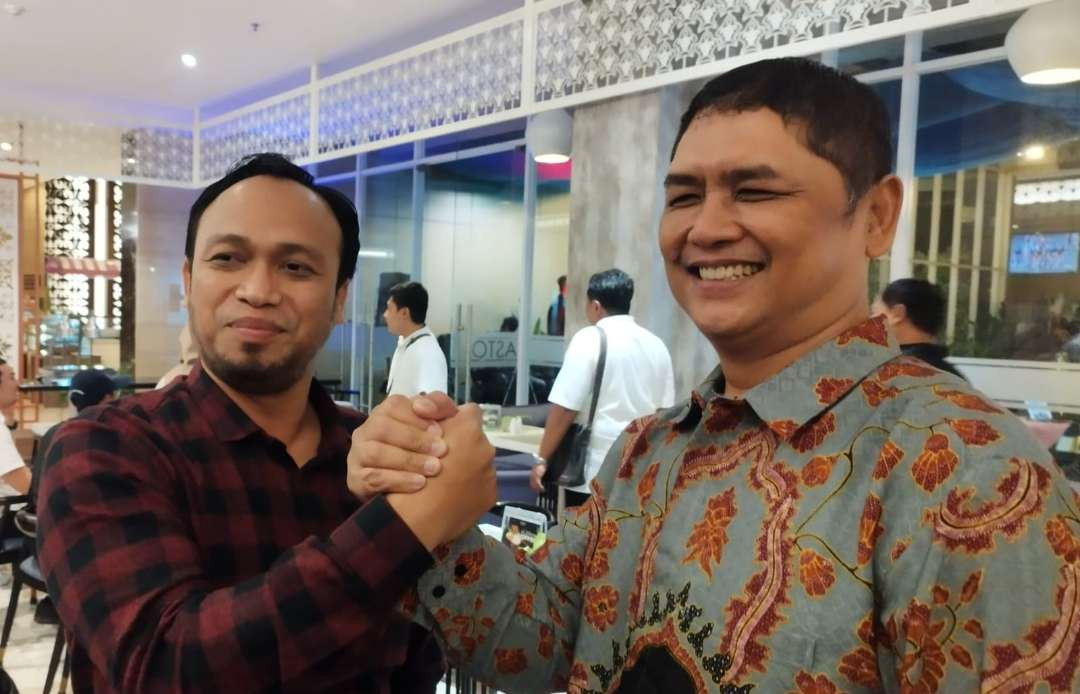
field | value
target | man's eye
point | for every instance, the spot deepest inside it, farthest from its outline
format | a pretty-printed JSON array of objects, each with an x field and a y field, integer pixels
[
  {"x": 223, "y": 258},
  {"x": 684, "y": 200},
  {"x": 755, "y": 195},
  {"x": 298, "y": 269}
]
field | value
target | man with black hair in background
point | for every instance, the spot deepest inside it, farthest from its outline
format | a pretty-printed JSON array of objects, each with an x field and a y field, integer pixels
[
  {"x": 638, "y": 379},
  {"x": 205, "y": 537},
  {"x": 915, "y": 310},
  {"x": 419, "y": 365}
]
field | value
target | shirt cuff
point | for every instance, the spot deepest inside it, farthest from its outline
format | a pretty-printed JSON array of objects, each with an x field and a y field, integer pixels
[
  {"x": 380, "y": 549},
  {"x": 455, "y": 581}
]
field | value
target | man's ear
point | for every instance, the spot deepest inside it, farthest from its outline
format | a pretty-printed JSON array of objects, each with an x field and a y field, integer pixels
[
  {"x": 884, "y": 200},
  {"x": 896, "y": 314},
  {"x": 340, "y": 298},
  {"x": 185, "y": 273}
]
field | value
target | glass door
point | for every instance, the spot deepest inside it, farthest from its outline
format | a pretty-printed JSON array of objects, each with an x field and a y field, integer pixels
[{"x": 473, "y": 241}]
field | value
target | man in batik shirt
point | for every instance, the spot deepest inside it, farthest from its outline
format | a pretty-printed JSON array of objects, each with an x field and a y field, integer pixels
[{"x": 823, "y": 514}]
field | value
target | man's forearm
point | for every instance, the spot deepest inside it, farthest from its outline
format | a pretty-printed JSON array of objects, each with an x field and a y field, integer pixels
[
  {"x": 558, "y": 422},
  {"x": 19, "y": 479}
]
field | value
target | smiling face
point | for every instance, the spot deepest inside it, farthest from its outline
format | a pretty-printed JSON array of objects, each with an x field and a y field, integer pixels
[
  {"x": 261, "y": 284},
  {"x": 760, "y": 242}
]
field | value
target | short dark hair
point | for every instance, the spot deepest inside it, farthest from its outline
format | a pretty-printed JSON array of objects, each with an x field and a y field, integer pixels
[
  {"x": 922, "y": 301},
  {"x": 276, "y": 165},
  {"x": 846, "y": 122},
  {"x": 2, "y": 362},
  {"x": 413, "y": 296},
  {"x": 613, "y": 289},
  {"x": 561, "y": 281}
]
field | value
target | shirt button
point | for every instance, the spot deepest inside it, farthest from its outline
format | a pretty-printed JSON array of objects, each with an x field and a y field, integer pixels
[
  {"x": 460, "y": 570},
  {"x": 438, "y": 592}
]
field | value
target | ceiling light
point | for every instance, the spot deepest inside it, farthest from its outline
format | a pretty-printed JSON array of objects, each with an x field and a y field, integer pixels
[
  {"x": 374, "y": 253},
  {"x": 1042, "y": 46},
  {"x": 1034, "y": 152},
  {"x": 6, "y": 146},
  {"x": 549, "y": 136},
  {"x": 132, "y": 160},
  {"x": 14, "y": 9},
  {"x": 189, "y": 60}
]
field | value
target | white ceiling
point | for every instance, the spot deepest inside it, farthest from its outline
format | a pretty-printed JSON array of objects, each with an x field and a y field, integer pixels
[{"x": 123, "y": 56}]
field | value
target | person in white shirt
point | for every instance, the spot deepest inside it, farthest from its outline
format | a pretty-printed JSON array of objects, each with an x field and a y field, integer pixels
[
  {"x": 14, "y": 475},
  {"x": 638, "y": 379},
  {"x": 419, "y": 365}
]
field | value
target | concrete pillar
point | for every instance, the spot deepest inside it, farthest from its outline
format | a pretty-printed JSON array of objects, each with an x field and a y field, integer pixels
[{"x": 621, "y": 152}]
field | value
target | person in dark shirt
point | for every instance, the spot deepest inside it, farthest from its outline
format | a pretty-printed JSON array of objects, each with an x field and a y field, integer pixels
[
  {"x": 206, "y": 537},
  {"x": 915, "y": 310}
]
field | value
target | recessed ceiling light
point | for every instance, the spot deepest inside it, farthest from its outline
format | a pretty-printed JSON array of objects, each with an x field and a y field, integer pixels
[
  {"x": 189, "y": 60},
  {"x": 1034, "y": 152},
  {"x": 132, "y": 160},
  {"x": 6, "y": 146}
]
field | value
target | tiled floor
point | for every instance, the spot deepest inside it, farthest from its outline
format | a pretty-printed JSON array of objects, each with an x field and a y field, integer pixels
[{"x": 31, "y": 644}]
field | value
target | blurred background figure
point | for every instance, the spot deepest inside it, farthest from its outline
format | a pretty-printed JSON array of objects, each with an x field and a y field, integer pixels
[
  {"x": 915, "y": 311},
  {"x": 189, "y": 354}
]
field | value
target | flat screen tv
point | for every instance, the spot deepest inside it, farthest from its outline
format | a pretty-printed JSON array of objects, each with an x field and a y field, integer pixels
[{"x": 1044, "y": 254}]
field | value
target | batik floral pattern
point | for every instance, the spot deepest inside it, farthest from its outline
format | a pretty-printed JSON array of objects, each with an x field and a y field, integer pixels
[{"x": 854, "y": 524}]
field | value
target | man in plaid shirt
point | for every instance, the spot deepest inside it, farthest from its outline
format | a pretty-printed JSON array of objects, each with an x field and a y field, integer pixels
[{"x": 204, "y": 537}]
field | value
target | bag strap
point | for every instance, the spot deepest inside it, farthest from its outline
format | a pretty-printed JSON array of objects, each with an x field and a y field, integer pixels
[
  {"x": 412, "y": 341},
  {"x": 598, "y": 379}
]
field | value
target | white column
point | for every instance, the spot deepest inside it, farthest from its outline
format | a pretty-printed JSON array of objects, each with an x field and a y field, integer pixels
[
  {"x": 903, "y": 249},
  {"x": 976, "y": 246},
  {"x": 935, "y": 229},
  {"x": 1002, "y": 231},
  {"x": 521, "y": 397},
  {"x": 954, "y": 257},
  {"x": 418, "y": 194}
]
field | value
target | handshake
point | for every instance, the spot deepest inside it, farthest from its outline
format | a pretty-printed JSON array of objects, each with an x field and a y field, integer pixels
[{"x": 432, "y": 461}]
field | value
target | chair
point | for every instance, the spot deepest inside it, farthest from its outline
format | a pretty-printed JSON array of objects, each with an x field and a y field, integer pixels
[
  {"x": 460, "y": 683},
  {"x": 28, "y": 572}
]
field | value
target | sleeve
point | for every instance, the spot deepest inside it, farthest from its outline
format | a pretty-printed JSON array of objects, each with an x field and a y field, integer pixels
[
  {"x": 984, "y": 593},
  {"x": 10, "y": 459},
  {"x": 509, "y": 620},
  {"x": 118, "y": 556},
  {"x": 573, "y": 385},
  {"x": 431, "y": 371}
]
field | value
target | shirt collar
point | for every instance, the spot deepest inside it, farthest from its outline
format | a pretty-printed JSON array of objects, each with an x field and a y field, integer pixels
[
  {"x": 230, "y": 423},
  {"x": 812, "y": 384},
  {"x": 422, "y": 331},
  {"x": 620, "y": 318}
]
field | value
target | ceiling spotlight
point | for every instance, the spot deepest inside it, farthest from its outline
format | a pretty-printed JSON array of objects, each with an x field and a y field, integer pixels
[
  {"x": 1041, "y": 47},
  {"x": 189, "y": 60},
  {"x": 132, "y": 160},
  {"x": 6, "y": 146},
  {"x": 549, "y": 136},
  {"x": 1034, "y": 152}
]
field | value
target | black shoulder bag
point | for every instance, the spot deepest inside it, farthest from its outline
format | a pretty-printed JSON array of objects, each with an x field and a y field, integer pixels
[{"x": 567, "y": 465}]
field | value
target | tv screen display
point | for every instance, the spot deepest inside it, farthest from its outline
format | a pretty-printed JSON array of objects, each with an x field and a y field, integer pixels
[{"x": 1041, "y": 254}]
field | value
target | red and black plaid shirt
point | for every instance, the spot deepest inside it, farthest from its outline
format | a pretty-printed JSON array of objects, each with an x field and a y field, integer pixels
[{"x": 186, "y": 551}]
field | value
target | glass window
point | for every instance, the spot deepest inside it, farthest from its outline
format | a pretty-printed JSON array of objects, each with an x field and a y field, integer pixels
[
  {"x": 550, "y": 261},
  {"x": 385, "y": 259},
  {"x": 967, "y": 38},
  {"x": 473, "y": 242},
  {"x": 871, "y": 57},
  {"x": 390, "y": 155},
  {"x": 476, "y": 137},
  {"x": 998, "y": 211},
  {"x": 335, "y": 166}
]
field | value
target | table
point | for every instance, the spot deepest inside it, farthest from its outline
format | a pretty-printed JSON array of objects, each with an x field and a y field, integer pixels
[{"x": 525, "y": 441}]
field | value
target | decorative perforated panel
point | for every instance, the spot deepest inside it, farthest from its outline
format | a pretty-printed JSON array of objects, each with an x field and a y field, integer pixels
[
  {"x": 9, "y": 274},
  {"x": 159, "y": 153},
  {"x": 587, "y": 46},
  {"x": 473, "y": 77},
  {"x": 282, "y": 127}
]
